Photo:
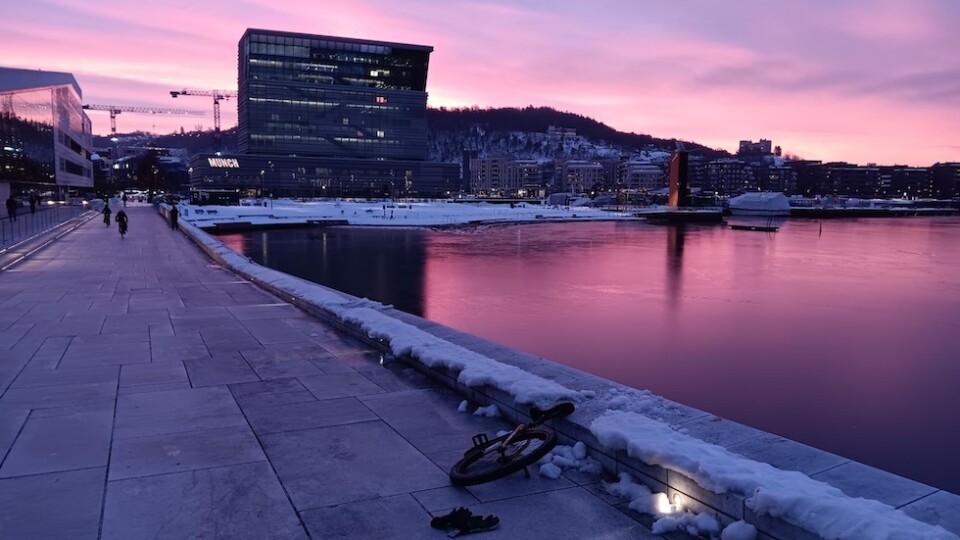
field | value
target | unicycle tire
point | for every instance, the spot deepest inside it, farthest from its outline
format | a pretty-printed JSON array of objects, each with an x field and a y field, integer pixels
[{"x": 486, "y": 462}]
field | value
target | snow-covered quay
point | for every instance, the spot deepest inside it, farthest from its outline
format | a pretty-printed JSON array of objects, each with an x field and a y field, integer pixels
[
  {"x": 283, "y": 212},
  {"x": 687, "y": 469}
]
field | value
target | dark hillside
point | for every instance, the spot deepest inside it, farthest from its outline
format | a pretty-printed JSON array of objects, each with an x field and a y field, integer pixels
[{"x": 538, "y": 119}]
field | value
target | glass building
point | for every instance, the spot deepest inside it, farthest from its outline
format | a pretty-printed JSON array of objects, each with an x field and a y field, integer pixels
[
  {"x": 321, "y": 115},
  {"x": 45, "y": 135}
]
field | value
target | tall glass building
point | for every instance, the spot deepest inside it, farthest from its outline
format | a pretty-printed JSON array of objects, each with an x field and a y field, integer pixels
[
  {"x": 45, "y": 135},
  {"x": 329, "y": 116}
]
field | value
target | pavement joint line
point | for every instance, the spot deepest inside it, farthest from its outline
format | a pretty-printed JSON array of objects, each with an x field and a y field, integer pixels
[
  {"x": 106, "y": 474},
  {"x": 19, "y": 432},
  {"x": 273, "y": 469}
]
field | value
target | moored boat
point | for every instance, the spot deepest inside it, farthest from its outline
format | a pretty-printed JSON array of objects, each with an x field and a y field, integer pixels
[{"x": 760, "y": 203}]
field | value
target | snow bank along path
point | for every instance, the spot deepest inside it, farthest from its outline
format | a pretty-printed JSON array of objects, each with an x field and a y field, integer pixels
[{"x": 617, "y": 425}]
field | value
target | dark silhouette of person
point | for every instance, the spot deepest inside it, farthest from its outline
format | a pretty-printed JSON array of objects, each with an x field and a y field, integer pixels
[
  {"x": 174, "y": 215},
  {"x": 106, "y": 214},
  {"x": 33, "y": 204},
  {"x": 122, "y": 222},
  {"x": 11, "y": 208},
  {"x": 124, "y": 203}
]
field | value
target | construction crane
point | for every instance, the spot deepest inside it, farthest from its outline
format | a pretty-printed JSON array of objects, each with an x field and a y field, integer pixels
[
  {"x": 114, "y": 110},
  {"x": 217, "y": 96}
]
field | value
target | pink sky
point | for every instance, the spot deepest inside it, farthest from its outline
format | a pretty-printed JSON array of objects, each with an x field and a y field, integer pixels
[{"x": 855, "y": 80}]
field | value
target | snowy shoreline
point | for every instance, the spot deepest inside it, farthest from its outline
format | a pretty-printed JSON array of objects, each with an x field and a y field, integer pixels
[
  {"x": 394, "y": 214},
  {"x": 631, "y": 422}
]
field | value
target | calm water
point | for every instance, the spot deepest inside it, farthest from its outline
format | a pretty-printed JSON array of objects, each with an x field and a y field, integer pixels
[{"x": 845, "y": 338}]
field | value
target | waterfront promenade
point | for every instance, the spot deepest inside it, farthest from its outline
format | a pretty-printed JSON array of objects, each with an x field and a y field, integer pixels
[{"x": 149, "y": 393}]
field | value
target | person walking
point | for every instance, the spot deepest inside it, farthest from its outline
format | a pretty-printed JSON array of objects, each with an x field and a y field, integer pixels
[
  {"x": 174, "y": 215},
  {"x": 122, "y": 222},
  {"x": 11, "y": 208},
  {"x": 33, "y": 204},
  {"x": 106, "y": 214},
  {"x": 124, "y": 203}
]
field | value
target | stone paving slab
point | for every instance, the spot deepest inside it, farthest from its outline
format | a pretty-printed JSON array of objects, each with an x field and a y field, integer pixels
[
  {"x": 63, "y": 395},
  {"x": 33, "y": 377},
  {"x": 348, "y": 463},
  {"x": 859, "y": 480},
  {"x": 270, "y": 364},
  {"x": 220, "y": 369},
  {"x": 153, "y": 373},
  {"x": 572, "y": 514},
  {"x": 155, "y": 413},
  {"x": 234, "y": 502},
  {"x": 52, "y": 443},
  {"x": 336, "y": 385},
  {"x": 788, "y": 455},
  {"x": 940, "y": 508},
  {"x": 429, "y": 419},
  {"x": 52, "y": 506},
  {"x": 377, "y": 518},
  {"x": 305, "y": 414},
  {"x": 183, "y": 451}
]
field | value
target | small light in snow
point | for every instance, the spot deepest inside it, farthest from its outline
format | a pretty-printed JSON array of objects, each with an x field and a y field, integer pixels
[
  {"x": 381, "y": 359},
  {"x": 664, "y": 506},
  {"x": 663, "y": 503}
]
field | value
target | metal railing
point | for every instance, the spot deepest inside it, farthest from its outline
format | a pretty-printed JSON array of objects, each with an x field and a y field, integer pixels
[{"x": 30, "y": 224}]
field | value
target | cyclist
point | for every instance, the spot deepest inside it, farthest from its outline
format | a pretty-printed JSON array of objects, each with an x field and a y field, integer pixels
[{"x": 122, "y": 222}]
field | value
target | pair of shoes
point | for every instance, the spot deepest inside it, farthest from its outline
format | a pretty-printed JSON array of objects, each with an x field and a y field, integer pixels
[
  {"x": 461, "y": 521},
  {"x": 452, "y": 519}
]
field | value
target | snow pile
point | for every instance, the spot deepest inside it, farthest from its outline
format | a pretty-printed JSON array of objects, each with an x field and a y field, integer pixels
[
  {"x": 794, "y": 497},
  {"x": 490, "y": 411},
  {"x": 641, "y": 498},
  {"x": 551, "y": 471},
  {"x": 701, "y": 524},
  {"x": 463, "y": 406},
  {"x": 632, "y": 400},
  {"x": 670, "y": 518},
  {"x": 564, "y": 457},
  {"x": 739, "y": 530}
]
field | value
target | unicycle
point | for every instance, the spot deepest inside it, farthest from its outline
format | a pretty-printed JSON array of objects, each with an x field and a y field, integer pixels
[{"x": 490, "y": 459}]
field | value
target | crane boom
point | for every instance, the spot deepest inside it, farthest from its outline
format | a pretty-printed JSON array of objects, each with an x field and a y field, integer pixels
[
  {"x": 217, "y": 96},
  {"x": 114, "y": 110}
]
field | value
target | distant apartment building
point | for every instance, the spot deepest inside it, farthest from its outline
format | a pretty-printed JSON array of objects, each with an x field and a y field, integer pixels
[
  {"x": 329, "y": 116},
  {"x": 469, "y": 154},
  {"x": 809, "y": 177},
  {"x": 910, "y": 182},
  {"x": 750, "y": 148},
  {"x": 851, "y": 180},
  {"x": 642, "y": 175},
  {"x": 506, "y": 177},
  {"x": 45, "y": 135},
  {"x": 730, "y": 176},
  {"x": 775, "y": 178},
  {"x": 577, "y": 176},
  {"x": 946, "y": 180},
  {"x": 486, "y": 175},
  {"x": 523, "y": 176}
]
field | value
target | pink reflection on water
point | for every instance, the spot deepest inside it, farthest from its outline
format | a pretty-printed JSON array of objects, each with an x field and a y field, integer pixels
[{"x": 845, "y": 339}]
